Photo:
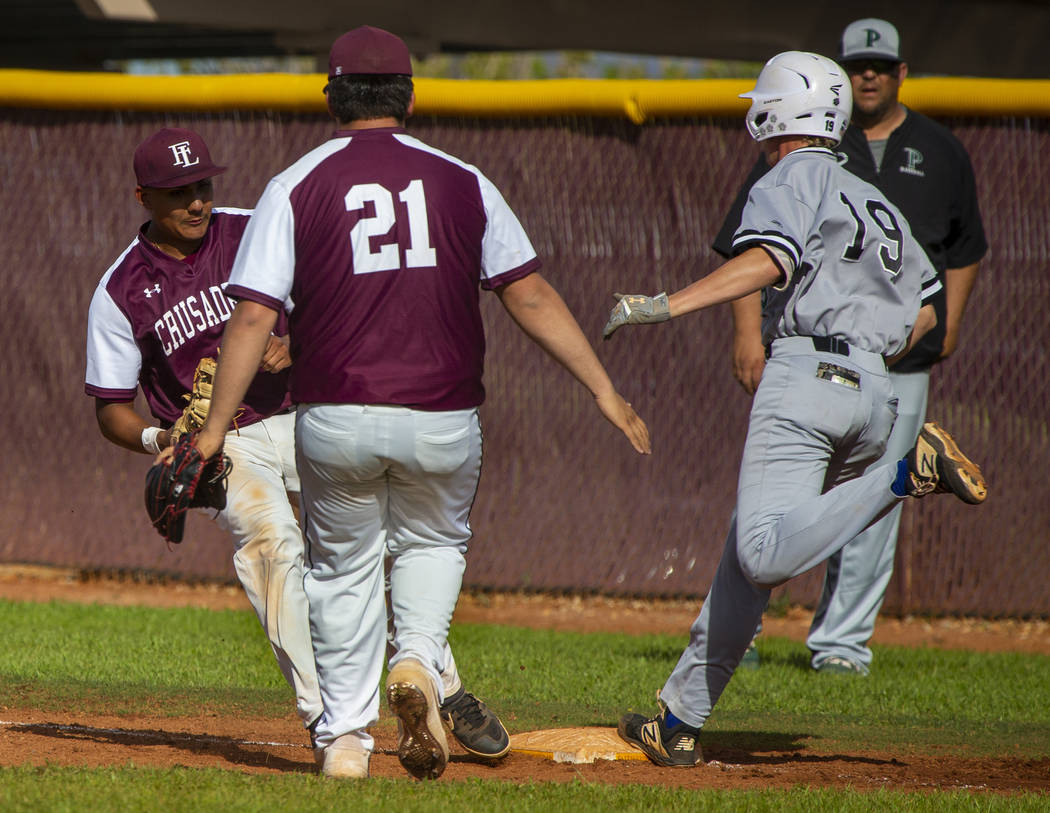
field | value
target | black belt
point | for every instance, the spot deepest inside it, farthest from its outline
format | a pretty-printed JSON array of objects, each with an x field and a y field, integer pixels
[
  {"x": 830, "y": 344},
  {"x": 823, "y": 344}
]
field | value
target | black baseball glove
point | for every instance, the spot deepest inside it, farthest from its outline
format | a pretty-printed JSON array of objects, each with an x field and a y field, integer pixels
[{"x": 184, "y": 481}]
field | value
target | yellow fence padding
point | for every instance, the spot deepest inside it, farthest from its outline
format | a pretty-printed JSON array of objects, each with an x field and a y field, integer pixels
[{"x": 637, "y": 100}]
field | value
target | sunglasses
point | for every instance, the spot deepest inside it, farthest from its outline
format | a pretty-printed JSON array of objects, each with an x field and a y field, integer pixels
[{"x": 861, "y": 66}]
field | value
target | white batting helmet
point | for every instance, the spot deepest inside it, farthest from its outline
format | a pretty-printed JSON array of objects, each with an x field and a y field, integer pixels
[{"x": 799, "y": 93}]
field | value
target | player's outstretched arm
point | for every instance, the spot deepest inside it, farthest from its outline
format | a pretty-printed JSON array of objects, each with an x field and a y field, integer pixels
[
  {"x": 545, "y": 318},
  {"x": 244, "y": 342},
  {"x": 744, "y": 274}
]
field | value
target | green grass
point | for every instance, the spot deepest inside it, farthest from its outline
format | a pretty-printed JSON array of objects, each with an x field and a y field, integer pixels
[
  {"x": 119, "y": 660},
  {"x": 74, "y": 790},
  {"x": 123, "y": 660}
]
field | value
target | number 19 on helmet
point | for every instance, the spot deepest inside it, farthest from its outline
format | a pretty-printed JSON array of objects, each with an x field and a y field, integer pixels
[{"x": 799, "y": 93}]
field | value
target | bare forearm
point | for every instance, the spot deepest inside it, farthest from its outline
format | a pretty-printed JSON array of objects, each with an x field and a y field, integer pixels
[
  {"x": 545, "y": 318},
  {"x": 243, "y": 344},
  {"x": 739, "y": 277},
  {"x": 958, "y": 285},
  {"x": 747, "y": 316},
  {"x": 542, "y": 314},
  {"x": 749, "y": 354},
  {"x": 120, "y": 424}
]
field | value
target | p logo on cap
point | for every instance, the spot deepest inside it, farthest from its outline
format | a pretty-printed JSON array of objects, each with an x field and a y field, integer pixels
[
  {"x": 870, "y": 38},
  {"x": 173, "y": 157}
]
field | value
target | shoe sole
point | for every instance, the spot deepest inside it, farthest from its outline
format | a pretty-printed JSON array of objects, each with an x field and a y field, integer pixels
[
  {"x": 421, "y": 751},
  {"x": 336, "y": 768},
  {"x": 964, "y": 478},
  {"x": 653, "y": 756}
]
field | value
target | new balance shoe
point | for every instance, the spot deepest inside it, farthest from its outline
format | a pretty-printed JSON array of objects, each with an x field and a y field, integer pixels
[
  {"x": 422, "y": 746},
  {"x": 477, "y": 729},
  {"x": 674, "y": 747},
  {"x": 935, "y": 464},
  {"x": 836, "y": 665}
]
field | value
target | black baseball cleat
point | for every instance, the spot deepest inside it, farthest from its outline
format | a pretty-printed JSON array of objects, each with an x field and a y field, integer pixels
[
  {"x": 670, "y": 748},
  {"x": 935, "y": 464},
  {"x": 318, "y": 750},
  {"x": 477, "y": 729}
]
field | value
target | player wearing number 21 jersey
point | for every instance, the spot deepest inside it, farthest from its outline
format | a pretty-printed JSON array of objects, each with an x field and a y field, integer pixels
[
  {"x": 360, "y": 337},
  {"x": 377, "y": 246}
]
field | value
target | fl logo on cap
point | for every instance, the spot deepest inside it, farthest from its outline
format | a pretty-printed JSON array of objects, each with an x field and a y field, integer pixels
[{"x": 183, "y": 154}]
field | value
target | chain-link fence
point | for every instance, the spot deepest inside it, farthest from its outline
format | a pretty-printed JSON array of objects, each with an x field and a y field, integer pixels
[{"x": 564, "y": 502}]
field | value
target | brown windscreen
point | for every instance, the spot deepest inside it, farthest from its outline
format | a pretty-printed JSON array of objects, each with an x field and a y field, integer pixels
[{"x": 564, "y": 503}]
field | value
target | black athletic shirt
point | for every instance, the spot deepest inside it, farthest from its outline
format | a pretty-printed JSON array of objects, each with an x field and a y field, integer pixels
[{"x": 927, "y": 174}]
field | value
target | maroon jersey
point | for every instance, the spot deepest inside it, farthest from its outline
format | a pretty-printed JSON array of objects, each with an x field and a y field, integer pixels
[
  {"x": 377, "y": 245},
  {"x": 153, "y": 317}
]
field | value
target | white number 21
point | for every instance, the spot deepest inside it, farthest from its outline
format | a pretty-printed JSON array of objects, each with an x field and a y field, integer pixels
[{"x": 419, "y": 254}]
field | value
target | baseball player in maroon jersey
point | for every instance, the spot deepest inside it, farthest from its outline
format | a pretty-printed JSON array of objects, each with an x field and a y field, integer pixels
[
  {"x": 157, "y": 311},
  {"x": 376, "y": 245}
]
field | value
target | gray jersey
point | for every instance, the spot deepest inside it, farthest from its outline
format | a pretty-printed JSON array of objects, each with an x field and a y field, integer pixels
[{"x": 852, "y": 269}]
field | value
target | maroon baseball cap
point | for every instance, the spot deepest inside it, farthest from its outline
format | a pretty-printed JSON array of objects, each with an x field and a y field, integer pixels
[
  {"x": 369, "y": 50},
  {"x": 173, "y": 157}
]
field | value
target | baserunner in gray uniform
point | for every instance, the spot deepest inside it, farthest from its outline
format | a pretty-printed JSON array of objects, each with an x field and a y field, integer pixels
[{"x": 844, "y": 287}]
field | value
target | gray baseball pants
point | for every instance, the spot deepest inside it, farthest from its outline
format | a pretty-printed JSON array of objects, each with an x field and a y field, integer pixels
[
  {"x": 807, "y": 487},
  {"x": 857, "y": 576}
]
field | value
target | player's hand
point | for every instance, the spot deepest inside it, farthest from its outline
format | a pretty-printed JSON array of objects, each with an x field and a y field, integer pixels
[
  {"x": 749, "y": 360},
  {"x": 636, "y": 309},
  {"x": 622, "y": 415},
  {"x": 276, "y": 357}
]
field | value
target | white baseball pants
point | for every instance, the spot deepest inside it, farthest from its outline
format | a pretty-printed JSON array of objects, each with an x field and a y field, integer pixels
[
  {"x": 381, "y": 480},
  {"x": 269, "y": 548}
]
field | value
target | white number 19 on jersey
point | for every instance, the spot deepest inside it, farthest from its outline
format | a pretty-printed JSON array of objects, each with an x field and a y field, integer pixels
[{"x": 419, "y": 254}]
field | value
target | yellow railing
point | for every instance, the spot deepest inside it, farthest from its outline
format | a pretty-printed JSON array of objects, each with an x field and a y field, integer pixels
[{"x": 637, "y": 100}]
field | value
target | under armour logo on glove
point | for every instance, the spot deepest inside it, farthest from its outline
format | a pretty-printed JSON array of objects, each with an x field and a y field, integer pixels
[{"x": 636, "y": 309}]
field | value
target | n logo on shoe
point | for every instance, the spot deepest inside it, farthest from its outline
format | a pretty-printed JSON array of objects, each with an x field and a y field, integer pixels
[
  {"x": 651, "y": 737},
  {"x": 927, "y": 467}
]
